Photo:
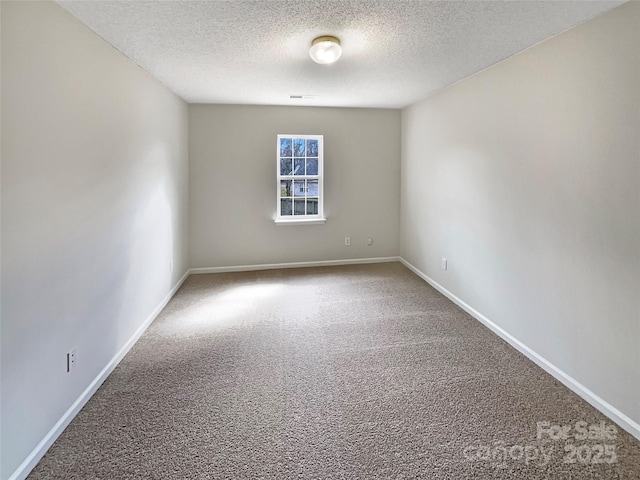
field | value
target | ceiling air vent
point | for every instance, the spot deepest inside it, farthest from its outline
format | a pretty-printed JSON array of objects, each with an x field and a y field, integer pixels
[{"x": 303, "y": 97}]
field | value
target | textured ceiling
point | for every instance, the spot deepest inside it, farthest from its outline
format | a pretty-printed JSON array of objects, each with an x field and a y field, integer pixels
[{"x": 256, "y": 51}]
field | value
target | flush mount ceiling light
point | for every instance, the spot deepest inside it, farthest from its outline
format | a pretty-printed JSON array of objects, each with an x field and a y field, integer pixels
[{"x": 325, "y": 50}]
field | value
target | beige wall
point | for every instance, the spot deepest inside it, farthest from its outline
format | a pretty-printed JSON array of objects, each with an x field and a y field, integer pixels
[
  {"x": 94, "y": 199},
  {"x": 233, "y": 184},
  {"x": 526, "y": 177}
]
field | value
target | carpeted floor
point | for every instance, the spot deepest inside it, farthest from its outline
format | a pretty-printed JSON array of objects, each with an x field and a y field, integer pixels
[{"x": 355, "y": 372}]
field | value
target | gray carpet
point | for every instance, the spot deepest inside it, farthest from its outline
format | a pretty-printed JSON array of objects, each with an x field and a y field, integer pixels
[{"x": 355, "y": 372}]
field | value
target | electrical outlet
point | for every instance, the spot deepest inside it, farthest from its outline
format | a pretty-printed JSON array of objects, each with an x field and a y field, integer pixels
[
  {"x": 369, "y": 241},
  {"x": 72, "y": 359},
  {"x": 444, "y": 263},
  {"x": 347, "y": 241}
]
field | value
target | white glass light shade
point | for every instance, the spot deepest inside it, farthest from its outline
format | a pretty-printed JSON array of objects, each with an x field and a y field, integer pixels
[{"x": 325, "y": 50}]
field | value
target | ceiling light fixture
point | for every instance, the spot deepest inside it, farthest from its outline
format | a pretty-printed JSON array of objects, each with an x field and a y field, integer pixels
[{"x": 325, "y": 50}]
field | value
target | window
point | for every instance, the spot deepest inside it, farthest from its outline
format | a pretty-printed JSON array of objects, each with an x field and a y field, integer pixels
[{"x": 300, "y": 189}]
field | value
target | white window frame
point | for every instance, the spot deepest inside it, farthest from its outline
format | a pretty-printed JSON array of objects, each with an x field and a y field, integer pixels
[{"x": 315, "y": 219}]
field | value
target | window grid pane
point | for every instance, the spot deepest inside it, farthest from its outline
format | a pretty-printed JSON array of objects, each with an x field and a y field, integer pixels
[
  {"x": 285, "y": 147},
  {"x": 286, "y": 207},
  {"x": 298, "y": 147},
  {"x": 312, "y": 206},
  {"x": 300, "y": 188},
  {"x": 285, "y": 188},
  {"x": 299, "y": 206},
  {"x": 286, "y": 166}
]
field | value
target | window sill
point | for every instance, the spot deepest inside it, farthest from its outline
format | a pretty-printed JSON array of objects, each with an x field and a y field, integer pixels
[{"x": 301, "y": 221}]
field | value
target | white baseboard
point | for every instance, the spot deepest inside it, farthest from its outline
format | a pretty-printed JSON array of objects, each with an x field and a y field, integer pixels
[
  {"x": 602, "y": 405},
  {"x": 34, "y": 457},
  {"x": 273, "y": 266}
]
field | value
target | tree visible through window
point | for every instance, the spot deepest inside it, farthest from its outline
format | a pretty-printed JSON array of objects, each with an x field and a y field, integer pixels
[{"x": 300, "y": 159}]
